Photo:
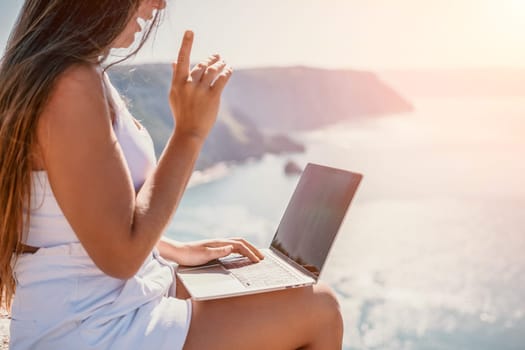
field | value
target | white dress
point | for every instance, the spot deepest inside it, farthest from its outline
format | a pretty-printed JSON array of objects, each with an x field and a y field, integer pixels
[{"x": 63, "y": 301}]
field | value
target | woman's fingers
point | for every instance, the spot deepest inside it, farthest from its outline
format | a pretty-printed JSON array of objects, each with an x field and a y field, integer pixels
[
  {"x": 243, "y": 249},
  {"x": 182, "y": 68},
  {"x": 195, "y": 101},
  {"x": 222, "y": 80},
  {"x": 238, "y": 247},
  {"x": 212, "y": 72},
  {"x": 251, "y": 246},
  {"x": 211, "y": 60},
  {"x": 198, "y": 71},
  {"x": 205, "y": 72}
]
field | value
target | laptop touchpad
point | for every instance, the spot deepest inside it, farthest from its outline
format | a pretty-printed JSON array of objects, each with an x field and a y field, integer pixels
[{"x": 211, "y": 280}]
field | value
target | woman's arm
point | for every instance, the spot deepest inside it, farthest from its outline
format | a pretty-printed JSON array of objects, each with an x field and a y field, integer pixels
[{"x": 88, "y": 172}]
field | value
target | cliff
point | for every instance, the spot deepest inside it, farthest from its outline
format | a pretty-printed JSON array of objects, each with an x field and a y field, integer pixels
[{"x": 299, "y": 98}]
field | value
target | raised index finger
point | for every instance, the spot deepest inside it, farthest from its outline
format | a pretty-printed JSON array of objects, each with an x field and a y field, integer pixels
[{"x": 183, "y": 61}]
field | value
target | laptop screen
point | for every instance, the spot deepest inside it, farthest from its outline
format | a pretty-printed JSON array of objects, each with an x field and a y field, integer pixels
[{"x": 314, "y": 214}]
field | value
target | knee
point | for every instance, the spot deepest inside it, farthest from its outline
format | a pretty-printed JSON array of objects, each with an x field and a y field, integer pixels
[
  {"x": 326, "y": 296},
  {"x": 328, "y": 307}
]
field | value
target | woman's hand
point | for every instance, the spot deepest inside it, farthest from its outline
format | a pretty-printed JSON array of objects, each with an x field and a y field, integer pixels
[
  {"x": 195, "y": 96},
  {"x": 201, "y": 252}
]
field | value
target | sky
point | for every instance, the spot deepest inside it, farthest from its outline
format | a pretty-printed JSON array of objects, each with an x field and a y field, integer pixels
[{"x": 359, "y": 34}]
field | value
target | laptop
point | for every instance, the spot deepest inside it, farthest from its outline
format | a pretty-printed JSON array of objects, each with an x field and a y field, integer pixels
[{"x": 299, "y": 248}]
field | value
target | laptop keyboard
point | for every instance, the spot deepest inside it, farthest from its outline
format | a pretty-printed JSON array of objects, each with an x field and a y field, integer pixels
[{"x": 267, "y": 272}]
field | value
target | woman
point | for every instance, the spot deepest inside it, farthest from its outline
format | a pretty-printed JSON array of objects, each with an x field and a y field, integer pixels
[{"x": 84, "y": 202}]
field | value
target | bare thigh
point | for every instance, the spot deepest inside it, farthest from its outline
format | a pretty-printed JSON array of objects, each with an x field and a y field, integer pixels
[{"x": 288, "y": 319}]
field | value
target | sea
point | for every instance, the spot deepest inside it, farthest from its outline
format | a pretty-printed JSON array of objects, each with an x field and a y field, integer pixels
[{"x": 431, "y": 254}]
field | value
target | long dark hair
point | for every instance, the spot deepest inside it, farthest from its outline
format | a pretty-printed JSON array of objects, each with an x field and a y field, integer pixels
[{"x": 49, "y": 36}]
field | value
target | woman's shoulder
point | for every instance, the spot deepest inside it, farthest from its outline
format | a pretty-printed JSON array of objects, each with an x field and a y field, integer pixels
[
  {"x": 80, "y": 76},
  {"x": 76, "y": 104},
  {"x": 78, "y": 86}
]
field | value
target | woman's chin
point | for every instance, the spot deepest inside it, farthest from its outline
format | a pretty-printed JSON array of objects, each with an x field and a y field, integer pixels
[{"x": 125, "y": 44}]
